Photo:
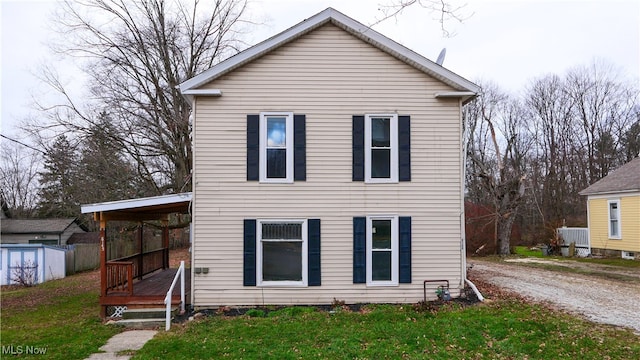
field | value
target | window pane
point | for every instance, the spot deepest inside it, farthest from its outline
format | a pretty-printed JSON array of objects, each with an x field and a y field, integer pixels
[
  {"x": 276, "y": 132},
  {"x": 276, "y": 163},
  {"x": 381, "y": 163},
  {"x": 380, "y": 132},
  {"x": 281, "y": 261},
  {"x": 381, "y": 234},
  {"x": 381, "y": 266},
  {"x": 613, "y": 211}
]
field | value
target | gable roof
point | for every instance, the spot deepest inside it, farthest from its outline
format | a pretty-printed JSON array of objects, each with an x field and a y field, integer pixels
[
  {"x": 626, "y": 178},
  {"x": 84, "y": 238},
  {"x": 31, "y": 226},
  {"x": 465, "y": 88}
]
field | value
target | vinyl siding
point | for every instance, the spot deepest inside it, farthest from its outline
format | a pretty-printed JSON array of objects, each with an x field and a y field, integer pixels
[
  {"x": 629, "y": 221},
  {"x": 328, "y": 75}
]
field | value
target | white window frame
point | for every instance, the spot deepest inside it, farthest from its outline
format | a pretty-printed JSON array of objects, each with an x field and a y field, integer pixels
[
  {"x": 263, "y": 147},
  {"x": 617, "y": 236},
  {"x": 304, "y": 281},
  {"x": 395, "y": 258},
  {"x": 393, "y": 133}
]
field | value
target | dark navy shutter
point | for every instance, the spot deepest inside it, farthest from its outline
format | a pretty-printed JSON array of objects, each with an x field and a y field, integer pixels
[
  {"x": 358, "y": 148},
  {"x": 253, "y": 147},
  {"x": 359, "y": 250},
  {"x": 299, "y": 148},
  {"x": 405, "y": 249},
  {"x": 249, "y": 252},
  {"x": 404, "y": 148},
  {"x": 313, "y": 264}
]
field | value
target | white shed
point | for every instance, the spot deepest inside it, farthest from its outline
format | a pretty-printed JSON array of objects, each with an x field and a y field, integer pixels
[{"x": 34, "y": 262}]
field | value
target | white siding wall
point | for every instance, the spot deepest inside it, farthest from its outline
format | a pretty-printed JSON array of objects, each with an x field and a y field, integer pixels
[{"x": 328, "y": 75}]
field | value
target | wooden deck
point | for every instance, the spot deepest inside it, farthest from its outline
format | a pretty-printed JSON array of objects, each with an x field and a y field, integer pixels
[{"x": 151, "y": 290}]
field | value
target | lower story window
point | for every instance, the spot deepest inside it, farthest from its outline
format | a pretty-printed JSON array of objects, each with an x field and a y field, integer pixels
[
  {"x": 282, "y": 252},
  {"x": 382, "y": 250}
]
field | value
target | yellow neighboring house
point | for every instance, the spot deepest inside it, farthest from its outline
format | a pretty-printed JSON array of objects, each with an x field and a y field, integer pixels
[{"x": 613, "y": 212}]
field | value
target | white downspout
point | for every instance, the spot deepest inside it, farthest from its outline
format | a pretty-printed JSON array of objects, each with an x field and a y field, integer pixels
[{"x": 463, "y": 235}]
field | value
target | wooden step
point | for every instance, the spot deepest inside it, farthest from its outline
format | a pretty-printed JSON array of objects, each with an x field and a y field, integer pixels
[
  {"x": 141, "y": 324},
  {"x": 147, "y": 313}
]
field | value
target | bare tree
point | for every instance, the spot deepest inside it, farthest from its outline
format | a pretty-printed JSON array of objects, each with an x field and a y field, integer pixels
[
  {"x": 444, "y": 11},
  {"x": 19, "y": 178},
  {"x": 554, "y": 128},
  {"x": 498, "y": 152},
  {"x": 603, "y": 107},
  {"x": 136, "y": 53}
]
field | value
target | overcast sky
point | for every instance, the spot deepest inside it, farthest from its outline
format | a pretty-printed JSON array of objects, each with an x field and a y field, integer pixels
[{"x": 508, "y": 42}]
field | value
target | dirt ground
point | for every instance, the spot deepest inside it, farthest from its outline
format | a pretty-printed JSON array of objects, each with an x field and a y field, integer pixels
[{"x": 596, "y": 298}]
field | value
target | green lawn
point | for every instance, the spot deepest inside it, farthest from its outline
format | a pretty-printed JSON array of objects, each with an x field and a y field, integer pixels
[
  {"x": 59, "y": 317},
  {"x": 502, "y": 329}
]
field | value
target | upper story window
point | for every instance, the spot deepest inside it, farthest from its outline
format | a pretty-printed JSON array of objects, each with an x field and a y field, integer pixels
[
  {"x": 381, "y": 148},
  {"x": 614, "y": 219},
  {"x": 276, "y": 147}
]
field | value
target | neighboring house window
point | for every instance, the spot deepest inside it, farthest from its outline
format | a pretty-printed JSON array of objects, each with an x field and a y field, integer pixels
[
  {"x": 382, "y": 250},
  {"x": 381, "y": 148},
  {"x": 282, "y": 252},
  {"x": 276, "y": 147},
  {"x": 614, "y": 219}
]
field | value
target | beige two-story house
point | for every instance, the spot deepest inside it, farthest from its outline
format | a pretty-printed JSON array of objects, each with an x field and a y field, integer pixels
[{"x": 328, "y": 164}]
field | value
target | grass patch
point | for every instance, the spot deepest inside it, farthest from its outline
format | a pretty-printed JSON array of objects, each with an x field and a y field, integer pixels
[
  {"x": 60, "y": 316},
  {"x": 502, "y": 329},
  {"x": 525, "y": 251}
]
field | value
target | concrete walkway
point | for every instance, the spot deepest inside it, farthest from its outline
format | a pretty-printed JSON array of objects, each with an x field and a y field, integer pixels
[{"x": 121, "y": 343}]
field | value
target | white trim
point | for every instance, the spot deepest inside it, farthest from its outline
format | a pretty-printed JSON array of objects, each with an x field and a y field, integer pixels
[
  {"x": 393, "y": 134},
  {"x": 618, "y": 194},
  {"x": 619, "y": 220},
  {"x": 346, "y": 23},
  {"x": 304, "y": 255},
  {"x": 203, "y": 92},
  {"x": 464, "y": 96},
  {"x": 137, "y": 203},
  {"x": 394, "y": 250},
  {"x": 289, "y": 147}
]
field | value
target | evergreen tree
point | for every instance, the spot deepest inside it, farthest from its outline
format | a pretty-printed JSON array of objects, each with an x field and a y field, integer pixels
[{"x": 58, "y": 181}]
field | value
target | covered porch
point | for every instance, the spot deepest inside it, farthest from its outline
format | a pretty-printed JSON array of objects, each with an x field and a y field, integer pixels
[{"x": 142, "y": 278}]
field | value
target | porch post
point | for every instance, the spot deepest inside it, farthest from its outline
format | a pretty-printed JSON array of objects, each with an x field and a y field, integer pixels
[
  {"x": 103, "y": 261},
  {"x": 140, "y": 250},
  {"x": 165, "y": 242}
]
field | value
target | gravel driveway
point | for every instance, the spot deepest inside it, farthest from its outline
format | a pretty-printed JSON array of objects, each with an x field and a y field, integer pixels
[{"x": 595, "y": 298}]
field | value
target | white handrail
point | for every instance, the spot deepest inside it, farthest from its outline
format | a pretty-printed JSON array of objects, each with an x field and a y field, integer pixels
[{"x": 167, "y": 299}]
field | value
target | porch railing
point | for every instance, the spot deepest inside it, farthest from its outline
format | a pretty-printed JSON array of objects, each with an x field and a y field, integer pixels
[
  {"x": 579, "y": 236},
  {"x": 150, "y": 261},
  {"x": 167, "y": 299},
  {"x": 120, "y": 277}
]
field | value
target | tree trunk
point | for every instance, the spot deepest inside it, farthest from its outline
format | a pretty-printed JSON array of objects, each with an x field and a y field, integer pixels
[{"x": 505, "y": 225}]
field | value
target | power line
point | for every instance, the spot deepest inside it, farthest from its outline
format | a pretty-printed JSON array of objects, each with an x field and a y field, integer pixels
[{"x": 23, "y": 144}]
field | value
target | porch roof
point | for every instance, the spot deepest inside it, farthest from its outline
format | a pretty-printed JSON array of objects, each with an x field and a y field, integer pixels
[{"x": 149, "y": 208}]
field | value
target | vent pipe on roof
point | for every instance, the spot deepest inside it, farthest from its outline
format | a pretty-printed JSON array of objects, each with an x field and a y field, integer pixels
[{"x": 441, "y": 56}]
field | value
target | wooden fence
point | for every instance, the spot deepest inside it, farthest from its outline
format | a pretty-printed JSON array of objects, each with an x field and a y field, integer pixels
[{"x": 81, "y": 257}]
